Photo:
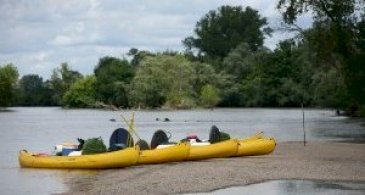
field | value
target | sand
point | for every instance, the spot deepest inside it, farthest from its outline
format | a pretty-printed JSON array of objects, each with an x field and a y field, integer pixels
[{"x": 291, "y": 160}]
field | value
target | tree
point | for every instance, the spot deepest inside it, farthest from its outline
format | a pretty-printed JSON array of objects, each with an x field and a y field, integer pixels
[
  {"x": 335, "y": 38},
  {"x": 113, "y": 76},
  {"x": 239, "y": 61},
  {"x": 328, "y": 88},
  {"x": 138, "y": 56},
  {"x": 180, "y": 76},
  {"x": 34, "y": 92},
  {"x": 8, "y": 78},
  {"x": 256, "y": 92},
  {"x": 81, "y": 93},
  {"x": 267, "y": 78},
  {"x": 148, "y": 88},
  {"x": 337, "y": 11},
  {"x": 204, "y": 74},
  {"x": 209, "y": 96},
  {"x": 355, "y": 70},
  {"x": 61, "y": 80},
  {"x": 231, "y": 95},
  {"x": 218, "y": 32},
  {"x": 163, "y": 80}
]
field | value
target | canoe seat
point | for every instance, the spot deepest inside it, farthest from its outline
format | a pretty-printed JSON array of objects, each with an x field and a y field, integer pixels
[
  {"x": 214, "y": 135},
  {"x": 160, "y": 137},
  {"x": 143, "y": 145},
  {"x": 120, "y": 139}
]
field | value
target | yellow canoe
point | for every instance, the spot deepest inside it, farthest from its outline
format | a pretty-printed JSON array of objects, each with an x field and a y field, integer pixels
[
  {"x": 121, "y": 158},
  {"x": 217, "y": 150},
  {"x": 174, "y": 153},
  {"x": 256, "y": 147}
]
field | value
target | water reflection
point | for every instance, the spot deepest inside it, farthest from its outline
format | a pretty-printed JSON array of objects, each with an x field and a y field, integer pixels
[
  {"x": 31, "y": 181},
  {"x": 339, "y": 130},
  {"x": 299, "y": 187}
]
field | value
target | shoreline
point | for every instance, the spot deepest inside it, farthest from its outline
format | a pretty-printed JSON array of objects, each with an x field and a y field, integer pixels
[{"x": 324, "y": 161}]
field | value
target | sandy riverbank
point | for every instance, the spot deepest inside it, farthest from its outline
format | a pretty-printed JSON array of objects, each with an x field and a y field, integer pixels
[{"x": 290, "y": 160}]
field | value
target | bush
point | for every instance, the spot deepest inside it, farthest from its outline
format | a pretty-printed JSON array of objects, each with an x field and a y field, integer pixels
[{"x": 209, "y": 96}]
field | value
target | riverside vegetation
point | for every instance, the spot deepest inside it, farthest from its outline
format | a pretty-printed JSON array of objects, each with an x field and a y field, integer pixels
[{"x": 224, "y": 64}]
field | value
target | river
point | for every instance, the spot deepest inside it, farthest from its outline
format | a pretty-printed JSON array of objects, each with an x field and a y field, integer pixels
[{"x": 40, "y": 129}]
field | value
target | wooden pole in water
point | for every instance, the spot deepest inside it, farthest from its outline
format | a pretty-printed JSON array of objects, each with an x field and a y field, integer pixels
[{"x": 304, "y": 137}]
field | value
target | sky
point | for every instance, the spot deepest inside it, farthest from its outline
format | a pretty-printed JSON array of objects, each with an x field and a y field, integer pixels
[{"x": 38, "y": 35}]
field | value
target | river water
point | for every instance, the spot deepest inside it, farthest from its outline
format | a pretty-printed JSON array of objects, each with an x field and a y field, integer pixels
[
  {"x": 40, "y": 129},
  {"x": 289, "y": 187}
]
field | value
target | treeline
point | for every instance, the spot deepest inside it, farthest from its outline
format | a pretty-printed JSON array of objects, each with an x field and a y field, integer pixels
[
  {"x": 158, "y": 80},
  {"x": 225, "y": 64}
]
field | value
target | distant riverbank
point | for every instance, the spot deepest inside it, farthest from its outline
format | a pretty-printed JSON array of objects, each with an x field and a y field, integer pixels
[{"x": 326, "y": 161}]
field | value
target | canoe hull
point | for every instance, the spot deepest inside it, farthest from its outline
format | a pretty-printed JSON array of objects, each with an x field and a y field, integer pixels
[
  {"x": 117, "y": 159},
  {"x": 256, "y": 147},
  {"x": 175, "y": 153},
  {"x": 217, "y": 150}
]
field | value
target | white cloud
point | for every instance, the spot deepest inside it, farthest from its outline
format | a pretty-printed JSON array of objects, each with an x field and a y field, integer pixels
[
  {"x": 31, "y": 62},
  {"x": 38, "y": 35},
  {"x": 41, "y": 56},
  {"x": 75, "y": 34}
]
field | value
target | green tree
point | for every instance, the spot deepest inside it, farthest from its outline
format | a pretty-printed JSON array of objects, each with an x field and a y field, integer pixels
[
  {"x": 232, "y": 95},
  {"x": 336, "y": 39},
  {"x": 8, "y": 78},
  {"x": 149, "y": 86},
  {"x": 209, "y": 96},
  {"x": 113, "y": 76},
  {"x": 355, "y": 70},
  {"x": 328, "y": 88},
  {"x": 163, "y": 80},
  {"x": 81, "y": 93},
  {"x": 61, "y": 80},
  {"x": 137, "y": 56},
  {"x": 244, "y": 67},
  {"x": 266, "y": 78},
  {"x": 239, "y": 61},
  {"x": 34, "y": 92},
  {"x": 181, "y": 76},
  {"x": 337, "y": 11},
  {"x": 255, "y": 92},
  {"x": 218, "y": 32},
  {"x": 204, "y": 74}
]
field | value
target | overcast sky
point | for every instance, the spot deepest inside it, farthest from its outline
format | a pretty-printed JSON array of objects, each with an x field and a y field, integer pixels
[{"x": 38, "y": 35}]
